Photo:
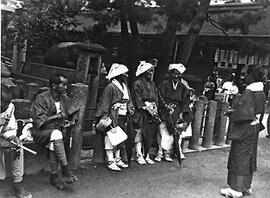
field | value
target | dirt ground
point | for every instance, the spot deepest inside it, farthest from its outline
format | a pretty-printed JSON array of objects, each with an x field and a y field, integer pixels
[{"x": 201, "y": 176}]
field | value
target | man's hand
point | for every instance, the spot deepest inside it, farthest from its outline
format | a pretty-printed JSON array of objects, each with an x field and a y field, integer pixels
[
  {"x": 116, "y": 106},
  {"x": 229, "y": 112},
  {"x": 131, "y": 112},
  {"x": 14, "y": 139}
]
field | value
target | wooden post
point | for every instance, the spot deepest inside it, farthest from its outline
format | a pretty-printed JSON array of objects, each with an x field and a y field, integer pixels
[
  {"x": 79, "y": 94},
  {"x": 209, "y": 124},
  {"x": 32, "y": 90},
  {"x": 204, "y": 99},
  {"x": 221, "y": 127},
  {"x": 196, "y": 125}
]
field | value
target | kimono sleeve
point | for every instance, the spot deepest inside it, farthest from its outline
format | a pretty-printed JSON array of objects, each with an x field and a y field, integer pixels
[
  {"x": 162, "y": 89},
  {"x": 130, "y": 105},
  {"x": 186, "y": 100},
  {"x": 38, "y": 111},
  {"x": 244, "y": 109},
  {"x": 138, "y": 95}
]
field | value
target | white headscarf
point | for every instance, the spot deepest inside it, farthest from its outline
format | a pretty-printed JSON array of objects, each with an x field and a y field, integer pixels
[
  {"x": 143, "y": 67},
  {"x": 116, "y": 70},
  {"x": 178, "y": 66}
]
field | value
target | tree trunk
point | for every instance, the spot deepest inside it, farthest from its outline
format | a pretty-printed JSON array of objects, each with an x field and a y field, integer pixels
[
  {"x": 168, "y": 38},
  {"x": 124, "y": 32},
  {"x": 167, "y": 49},
  {"x": 134, "y": 47},
  {"x": 194, "y": 31}
]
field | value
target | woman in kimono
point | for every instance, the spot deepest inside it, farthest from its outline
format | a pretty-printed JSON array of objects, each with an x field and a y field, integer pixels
[
  {"x": 176, "y": 96},
  {"x": 116, "y": 105},
  {"x": 146, "y": 119},
  {"x": 245, "y": 118}
]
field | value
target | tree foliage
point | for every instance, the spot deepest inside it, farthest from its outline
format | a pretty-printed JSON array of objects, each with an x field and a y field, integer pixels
[
  {"x": 241, "y": 21},
  {"x": 107, "y": 13},
  {"x": 45, "y": 22}
]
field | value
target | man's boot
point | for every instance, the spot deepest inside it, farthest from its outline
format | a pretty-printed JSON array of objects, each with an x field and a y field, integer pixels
[
  {"x": 57, "y": 182},
  {"x": 60, "y": 154},
  {"x": 69, "y": 176},
  {"x": 20, "y": 192}
]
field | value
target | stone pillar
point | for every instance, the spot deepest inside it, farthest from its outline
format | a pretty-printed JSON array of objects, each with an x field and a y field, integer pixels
[
  {"x": 15, "y": 58},
  {"x": 79, "y": 95},
  {"x": 22, "y": 107},
  {"x": 32, "y": 90},
  {"x": 196, "y": 125},
  {"x": 221, "y": 126},
  {"x": 99, "y": 152},
  {"x": 16, "y": 92},
  {"x": 209, "y": 124},
  {"x": 22, "y": 86}
]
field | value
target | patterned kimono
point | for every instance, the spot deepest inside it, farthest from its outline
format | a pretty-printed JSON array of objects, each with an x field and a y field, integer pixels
[
  {"x": 110, "y": 96},
  {"x": 246, "y": 124},
  {"x": 179, "y": 98},
  {"x": 42, "y": 108},
  {"x": 145, "y": 90}
]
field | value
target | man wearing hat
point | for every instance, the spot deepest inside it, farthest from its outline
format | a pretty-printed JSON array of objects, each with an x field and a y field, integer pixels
[
  {"x": 8, "y": 132},
  {"x": 116, "y": 105},
  {"x": 176, "y": 96},
  {"x": 146, "y": 119}
]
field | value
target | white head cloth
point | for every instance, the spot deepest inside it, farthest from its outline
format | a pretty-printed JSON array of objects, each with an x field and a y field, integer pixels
[
  {"x": 143, "y": 67},
  {"x": 116, "y": 70},
  {"x": 178, "y": 66}
]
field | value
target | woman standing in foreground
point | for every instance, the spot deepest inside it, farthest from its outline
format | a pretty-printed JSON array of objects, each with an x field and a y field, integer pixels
[{"x": 246, "y": 120}]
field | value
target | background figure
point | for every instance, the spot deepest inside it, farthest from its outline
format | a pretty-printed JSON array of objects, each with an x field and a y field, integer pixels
[
  {"x": 209, "y": 88},
  {"x": 176, "y": 96},
  {"x": 8, "y": 132},
  {"x": 229, "y": 89},
  {"x": 154, "y": 62},
  {"x": 246, "y": 124},
  {"x": 146, "y": 119},
  {"x": 219, "y": 84},
  {"x": 116, "y": 105},
  {"x": 49, "y": 112}
]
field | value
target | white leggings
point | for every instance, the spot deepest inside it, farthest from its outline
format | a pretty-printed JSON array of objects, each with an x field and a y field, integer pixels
[{"x": 55, "y": 135}]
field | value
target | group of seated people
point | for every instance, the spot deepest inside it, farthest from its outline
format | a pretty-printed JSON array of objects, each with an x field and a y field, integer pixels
[
  {"x": 49, "y": 113},
  {"x": 148, "y": 115}
]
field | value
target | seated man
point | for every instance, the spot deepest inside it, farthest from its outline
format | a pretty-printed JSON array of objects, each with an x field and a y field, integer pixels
[
  {"x": 49, "y": 112},
  {"x": 8, "y": 132}
]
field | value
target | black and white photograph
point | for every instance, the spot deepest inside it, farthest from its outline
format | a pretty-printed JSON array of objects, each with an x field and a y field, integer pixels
[{"x": 135, "y": 99}]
